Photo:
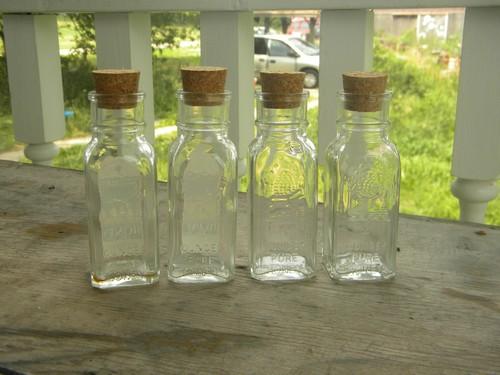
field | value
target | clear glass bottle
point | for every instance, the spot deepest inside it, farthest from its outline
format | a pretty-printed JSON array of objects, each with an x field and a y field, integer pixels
[
  {"x": 120, "y": 180},
  {"x": 282, "y": 191},
  {"x": 361, "y": 192},
  {"x": 202, "y": 186}
]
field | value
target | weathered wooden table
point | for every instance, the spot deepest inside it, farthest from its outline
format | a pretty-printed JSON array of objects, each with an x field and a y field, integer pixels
[{"x": 440, "y": 316}]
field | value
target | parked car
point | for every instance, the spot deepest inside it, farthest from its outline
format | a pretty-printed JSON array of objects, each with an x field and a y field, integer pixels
[{"x": 287, "y": 54}]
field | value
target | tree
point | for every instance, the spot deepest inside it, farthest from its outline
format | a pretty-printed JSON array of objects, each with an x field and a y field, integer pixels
[
  {"x": 311, "y": 36},
  {"x": 267, "y": 24},
  {"x": 285, "y": 22},
  {"x": 169, "y": 29},
  {"x": 84, "y": 37}
]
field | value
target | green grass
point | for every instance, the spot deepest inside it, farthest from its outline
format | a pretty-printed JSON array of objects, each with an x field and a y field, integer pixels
[
  {"x": 162, "y": 144},
  {"x": 179, "y": 53},
  {"x": 7, "y": 140},
  {"x": 71, "y": 157}
]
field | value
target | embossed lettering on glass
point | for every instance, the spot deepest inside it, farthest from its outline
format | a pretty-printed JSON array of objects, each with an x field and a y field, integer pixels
[
  {"x": 283, "y": 183},
  {"x": 120, "y": 180},
  {"x": 202, "y": 182},
  {"x": 362, "y": 185}
]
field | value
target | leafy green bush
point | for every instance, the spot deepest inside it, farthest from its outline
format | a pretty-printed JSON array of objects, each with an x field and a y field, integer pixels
[
  {"x": 77, "y": 79},
  {"x": 166, "y": 78},
  {"x": 169, "y": 29},
  {"x": 77, "y": 82},
  {"x": 423, "y": 120}
]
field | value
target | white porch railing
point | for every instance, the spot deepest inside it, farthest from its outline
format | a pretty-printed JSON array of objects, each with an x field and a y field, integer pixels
[{"x": 123, "y": 40}]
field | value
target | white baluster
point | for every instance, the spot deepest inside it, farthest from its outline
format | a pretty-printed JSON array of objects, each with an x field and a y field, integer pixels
[
  {"x": 41, "y": 153},
  {"x": 123, "y": 40},
  {"x": 227, "y": 40},
  {"x": 476, "y": 151},
  {"x": 346, "y": 45},
  {"x": 474, "y": 196},
  {"x": 35, "y": 83}
]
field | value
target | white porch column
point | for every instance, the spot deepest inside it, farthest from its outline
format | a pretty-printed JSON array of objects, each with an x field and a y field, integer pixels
[
  {"x": 35, "y": 82},
  {"x": 227, "y": 40},
  {"x": 346, "y": 45},
  {"x": 123, "y": 40},
  {"x": 476, "y": 151}
]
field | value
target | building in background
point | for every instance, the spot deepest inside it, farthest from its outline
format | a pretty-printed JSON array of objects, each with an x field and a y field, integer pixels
[{"x": 434, "y": 22}]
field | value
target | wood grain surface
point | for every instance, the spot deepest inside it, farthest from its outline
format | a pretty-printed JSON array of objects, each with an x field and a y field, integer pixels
[{"x": 441, "y": 315}]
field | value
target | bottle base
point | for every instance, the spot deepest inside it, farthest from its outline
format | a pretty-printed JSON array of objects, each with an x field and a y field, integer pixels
[
  {"x": 122, "y": 281},
  {"x": 363, "y": 276},
  {"x": 282, "y": 275},
  {"x": 199, "y": 278},
  {"x": 266, "y": 269},
  {"x": 365, "y": 267}
]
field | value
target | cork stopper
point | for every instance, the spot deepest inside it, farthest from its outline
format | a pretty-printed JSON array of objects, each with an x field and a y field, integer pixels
[
  {"x": 198, "y": 82},
  {"x": 366, "y": 89},
  {"x": 115, "y": 85},
  {"x": 282, "y": 90}
]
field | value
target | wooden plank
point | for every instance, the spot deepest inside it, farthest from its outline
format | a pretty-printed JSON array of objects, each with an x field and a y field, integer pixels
[
  {"x": 123, "y": 40},
  {"x": 44, "y": 6},
  {"x": 346, "y": 45},
  {"x": 440, "y": 316}
]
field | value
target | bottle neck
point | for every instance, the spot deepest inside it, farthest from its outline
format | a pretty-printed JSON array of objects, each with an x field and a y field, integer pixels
[
  {"x": 118, "y": 135},
  {"x": 203, "y": 113},
  {"x": 117, "y": 118},
  {"x": 281, "y": 115},
  {"x": 364, "y": 115},
  {"x": 370, "y": 122},
  {"x": 117, "y": 126},
  {"x": 281, "y": 131},
  {"x": 366, "y": 133}
]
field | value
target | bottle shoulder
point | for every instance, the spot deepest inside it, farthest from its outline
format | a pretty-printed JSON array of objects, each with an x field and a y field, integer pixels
[
  {"x": 334, "y": 148},
  {"x": 294, "y": 146},
  {"x": 139, "y": 152},
  {"x": 184, "y": 151},
  {"x": 344, "y": 145},
  {"x": 183, "y": 140}
]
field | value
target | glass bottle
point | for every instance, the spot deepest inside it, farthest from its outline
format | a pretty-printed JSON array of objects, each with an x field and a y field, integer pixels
[
  {"x": 362, "y": 190},
  {"x": 282, "y": 189},
  {"x": 202, "y": 186},
  {"x": 120, "y": 180}
]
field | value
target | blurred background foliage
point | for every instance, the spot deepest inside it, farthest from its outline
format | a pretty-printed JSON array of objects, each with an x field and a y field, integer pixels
[{"x": 422, "y": 110}]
